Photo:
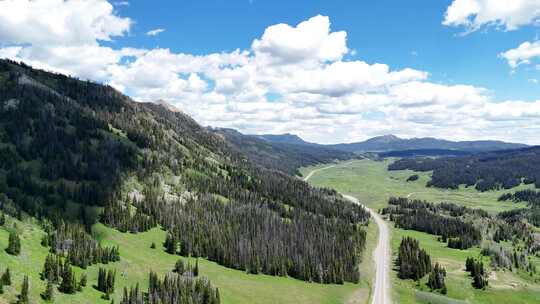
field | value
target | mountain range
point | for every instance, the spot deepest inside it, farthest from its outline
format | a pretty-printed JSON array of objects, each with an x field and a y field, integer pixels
[{"x": 388, "y": 143}]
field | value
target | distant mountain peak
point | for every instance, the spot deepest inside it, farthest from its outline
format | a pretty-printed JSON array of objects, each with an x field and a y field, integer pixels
[
  {"x": 388, "y": 138},
  {"x": 287, "y": 138}
]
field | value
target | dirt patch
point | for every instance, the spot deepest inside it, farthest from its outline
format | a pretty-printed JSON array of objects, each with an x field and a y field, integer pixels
[{"x": 359, "y": 296}]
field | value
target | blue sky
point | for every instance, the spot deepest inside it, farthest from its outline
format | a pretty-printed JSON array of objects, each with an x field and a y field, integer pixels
[
  {"x": 399, "y": 33},
  {"x": 329, "y": 71}
]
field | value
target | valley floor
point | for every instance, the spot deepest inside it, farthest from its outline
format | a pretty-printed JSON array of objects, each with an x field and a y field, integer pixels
[
  {"x": 372, "y": 184},
  {"x": 137, "y": 259}
]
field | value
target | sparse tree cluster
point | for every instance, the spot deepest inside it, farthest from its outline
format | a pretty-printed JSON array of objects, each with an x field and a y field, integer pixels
[
  {"x": 478, "y": 273},
  {"x": 532, "y": 197},
  {"x": 14, "y": 243},
  {"x": 56, "y": 271},
  {"x": 412, "y": 261},
  {"x": 106, "y": 280},
  {"x": 183, "y": 290},
  {"x": 426, "y": 217},
  {"x": 253, "y": 238},
  {"x": 79, "y": 248},
  {"x": 124, "y": 218},
  {"x": 436, "y": 278},
  {"x": 182, "y": 268}
]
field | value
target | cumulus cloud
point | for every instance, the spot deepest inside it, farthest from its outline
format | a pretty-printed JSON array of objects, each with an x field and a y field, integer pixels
[
  {"x": 311, "y": 40},
  {"x": 155, "y": 32},
  {"x": 293, "y": 78},
  {"x": 523, "y": 54},
  {"x": 59, "y": 22},
  {"x": 506, "y": 15}
]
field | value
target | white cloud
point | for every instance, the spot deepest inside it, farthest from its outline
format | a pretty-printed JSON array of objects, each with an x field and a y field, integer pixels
[
  {"x": 316, "y": 92},
  {"x": 59, "y": 22},
  {"x": 508, "y": 15},
  {"x": 155, "y": 32},
  {"x": 309, "y": 40},
  {"x": 523, "y": 54}
]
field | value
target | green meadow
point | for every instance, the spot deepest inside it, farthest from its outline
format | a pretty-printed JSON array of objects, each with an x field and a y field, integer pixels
[
  {"x": 373, "y": 184},
  {"x": 137, "y": 259}
]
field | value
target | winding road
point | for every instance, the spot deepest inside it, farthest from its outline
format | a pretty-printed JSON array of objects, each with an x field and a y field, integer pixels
[{"x": 381, "y": 255}]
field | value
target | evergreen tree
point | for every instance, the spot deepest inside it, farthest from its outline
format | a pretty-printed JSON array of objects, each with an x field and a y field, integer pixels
[
  {"x": 48, "y": 294},
  {"x": 14, "y": 244},
  {"x": 413, "y": 262},
  {"x": 68, "y": 284},
  {"x": 196, "y": 269},
  {"x": 478, "y": 273},
  {"x": 6, "y": 277},
  {"x": 106, "y": 280},
  {"x": 171, "y": 244},
  {"x": 179, "y": 267},
  {"x": 23, "y": 297},
  {"x": 83, "y": 280},
  {"x": 436, "y": 278},
  {"x": 2, "y": 219}
]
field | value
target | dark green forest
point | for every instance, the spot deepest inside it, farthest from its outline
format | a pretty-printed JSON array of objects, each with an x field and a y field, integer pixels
[{"x": 485, "y": 171}]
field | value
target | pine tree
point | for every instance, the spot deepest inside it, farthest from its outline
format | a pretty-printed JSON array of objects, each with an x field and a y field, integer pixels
[
  {"x": 171, "y": 244},
  {"x": 14, "y": 244},
  {"x": 413, "y": 262},
  {"x": 196, "y": 269},
  {"x": 436, "y": 277},
  {"x": 6, "y": 277},
  {"x": 23, "y": 297},
  {"x": 106, "y": 280},
  {"x": 83, "y": 280},
  {"x": 69, "y": 283},
  {"x": 478, "y": 273},
  {"x": 48, "y": 294},
  {"x": 102, "y": 277},
  {"x": 2, "y": 219},
  {"x": 179, "y": 267}
]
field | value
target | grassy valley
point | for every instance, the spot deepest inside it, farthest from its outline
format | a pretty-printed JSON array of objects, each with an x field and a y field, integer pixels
[{"x": 373, "y": 185}]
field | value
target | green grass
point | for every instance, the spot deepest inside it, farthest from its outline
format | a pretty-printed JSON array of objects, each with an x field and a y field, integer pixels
[
  {"x": 137, "y": 259},
  {"x": 371, "y": 182}
]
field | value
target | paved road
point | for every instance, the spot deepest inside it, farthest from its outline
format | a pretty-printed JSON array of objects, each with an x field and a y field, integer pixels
[{"x": 381, "y": 255}]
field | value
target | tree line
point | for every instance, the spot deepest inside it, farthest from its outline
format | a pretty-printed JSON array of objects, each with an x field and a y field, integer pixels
[
  {"x": 254, "y": 238},
  {"x": 422, "y": 216},
  {"x": 485, "y": 171}
]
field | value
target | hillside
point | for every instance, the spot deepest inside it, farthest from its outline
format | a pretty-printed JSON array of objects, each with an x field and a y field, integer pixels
[
  {"x": 285, "y": 139},
  {"x": 283, "y": 154},
  {"x": 485, "y": 171},
  {"x": 73, "y": 153}
]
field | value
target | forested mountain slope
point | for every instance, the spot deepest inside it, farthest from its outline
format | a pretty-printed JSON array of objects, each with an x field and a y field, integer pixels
[
  {"x": 486, "y": 171},
  {"x": 75, "y": 152},
  {"x": 282, "y": 154}
]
